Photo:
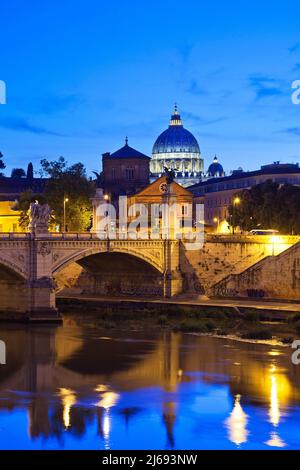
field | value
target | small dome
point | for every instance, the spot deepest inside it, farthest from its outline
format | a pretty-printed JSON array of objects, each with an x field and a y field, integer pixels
[
  {"x": 215, "y": 170},
  {"x": 176, "y": 139}
]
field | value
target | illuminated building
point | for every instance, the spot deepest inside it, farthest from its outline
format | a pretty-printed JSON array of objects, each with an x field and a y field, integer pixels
[
  {"x": 10, "y": 190},
  {"x": 218, "y": 193},
  {"x": 154, "y": 195},
  {"x": 178, "y": 149},
  {"x": 125, "y": 172}
]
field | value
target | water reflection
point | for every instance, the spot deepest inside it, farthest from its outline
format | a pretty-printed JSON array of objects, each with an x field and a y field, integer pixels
[
  {"x": 75, "y": 387},
  {"x": 279, "y": 384},
  {"x": 274, "y": 412},
  {"x": 68, "y": 400},
  {"x": 237, "y": 423}
]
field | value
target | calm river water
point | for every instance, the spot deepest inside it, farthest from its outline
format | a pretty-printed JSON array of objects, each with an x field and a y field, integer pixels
[{"x": 73, "y": 387}]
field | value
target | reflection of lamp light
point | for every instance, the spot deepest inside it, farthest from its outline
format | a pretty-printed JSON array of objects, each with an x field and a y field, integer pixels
[
  {"x": 236, "y": 423},
  {"x": 275, "y": 441},
  {"x": 108, "y": 400},
  {"x": 101, "y": 388},
  {"x": 68, "y": 399},
  {"x": 279, "y": 387},
  {"x": 274, "y": 411}
]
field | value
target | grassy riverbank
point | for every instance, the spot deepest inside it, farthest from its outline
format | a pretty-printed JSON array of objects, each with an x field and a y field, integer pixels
[{"x": 248, "y": 324}]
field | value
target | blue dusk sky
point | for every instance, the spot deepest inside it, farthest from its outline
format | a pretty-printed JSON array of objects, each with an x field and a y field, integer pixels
[{"x": 83, "y": 74}]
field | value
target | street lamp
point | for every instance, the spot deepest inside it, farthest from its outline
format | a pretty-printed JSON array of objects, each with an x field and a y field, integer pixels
[
  {"x": 217, "y": 221},
  {"x": 274, "y": 241},
  {"x": 64, "y": 225},
  {"x": 236, "y": 202}
]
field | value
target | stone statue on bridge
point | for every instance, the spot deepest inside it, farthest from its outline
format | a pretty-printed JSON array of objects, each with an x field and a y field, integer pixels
[
  {"x": 39, "y": 218},
  {"x": 170, "y": 174}
]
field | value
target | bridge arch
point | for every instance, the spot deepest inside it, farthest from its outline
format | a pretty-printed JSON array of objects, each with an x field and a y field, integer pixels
[
  {"x": 75, "y": 257},
  {"x": 12, "y": 269}
]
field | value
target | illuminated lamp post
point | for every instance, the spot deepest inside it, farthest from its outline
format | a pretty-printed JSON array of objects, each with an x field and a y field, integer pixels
[
  {"x": 64, "y": 224},
  {"x": 274, "y": 241},
  {"x": 217, "y": 221},
  {"x": 236, "y": 202}
]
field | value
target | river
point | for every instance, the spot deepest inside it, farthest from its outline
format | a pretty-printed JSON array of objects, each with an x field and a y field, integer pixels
[{"x": 80, "y": 387}]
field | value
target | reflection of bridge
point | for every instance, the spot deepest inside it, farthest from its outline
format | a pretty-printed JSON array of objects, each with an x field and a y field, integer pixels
[
  {"x": 28, "y": 266},
  {"x": 57, "y": 367},
  {"x": 60, "y": 373}
]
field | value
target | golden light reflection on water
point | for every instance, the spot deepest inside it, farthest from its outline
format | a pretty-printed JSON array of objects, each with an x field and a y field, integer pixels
[
  {"x": 68, "y": 400},
  {"x": 279, "y": 394},
  {"x": 274, "y": 411},
  {"x": 237, "y": 423},
  {"x": 275, "y": 441},
  {"x": 107, "y": 401},
  {"x": 262, "y": 375}
]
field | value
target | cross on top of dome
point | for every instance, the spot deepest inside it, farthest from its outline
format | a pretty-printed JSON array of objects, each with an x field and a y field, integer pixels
[{"x": 175, "y": 118}]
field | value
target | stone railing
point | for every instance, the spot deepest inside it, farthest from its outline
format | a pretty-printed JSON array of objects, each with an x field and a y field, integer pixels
[{"x": 260, "y": 239}]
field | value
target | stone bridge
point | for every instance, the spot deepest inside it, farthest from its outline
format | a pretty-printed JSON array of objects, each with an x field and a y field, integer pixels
[
  {"x": 31, "y": 268},
  {"x": 29, "y": 264}
]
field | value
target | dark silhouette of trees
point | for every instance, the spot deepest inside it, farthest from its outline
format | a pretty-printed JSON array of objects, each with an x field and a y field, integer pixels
[
  {"x": 18, "y": 173},
  {"x": 268, "y": 206},
  {"x": 30, "y": 171},
  {"x": 2, "y": 164}
]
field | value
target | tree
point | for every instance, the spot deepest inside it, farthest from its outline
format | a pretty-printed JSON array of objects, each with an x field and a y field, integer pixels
[
  {"x": 268, "y": 206},
  {"x": 2, "y": 164},
  {"x": 29, "y": 174},
  {"x": 18, "y": 173},
  {"x": 69, "y": 182}
]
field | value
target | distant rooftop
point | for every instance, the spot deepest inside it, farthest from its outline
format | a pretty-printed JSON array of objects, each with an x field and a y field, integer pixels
[
  {"x": 271, "y": 169},
  {"x": 126, "y": 152},
  {"x": 11, "y": 188}
]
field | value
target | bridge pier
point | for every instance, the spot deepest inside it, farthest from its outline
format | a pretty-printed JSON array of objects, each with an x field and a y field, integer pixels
[
  {"x": 172, "y": 284},
  {"x": 172, "y": 280},
  {"x": 41, "y": 289},
  {"x": 41, "y": 301}
]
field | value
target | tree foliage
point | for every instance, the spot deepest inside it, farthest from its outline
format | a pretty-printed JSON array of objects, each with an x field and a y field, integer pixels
[
  {"x": 18, "y": 173},
  {"x": 2, "y": 164},
  {"x": 268, "y": 206},
  {"x": 72, "y": 183}
]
